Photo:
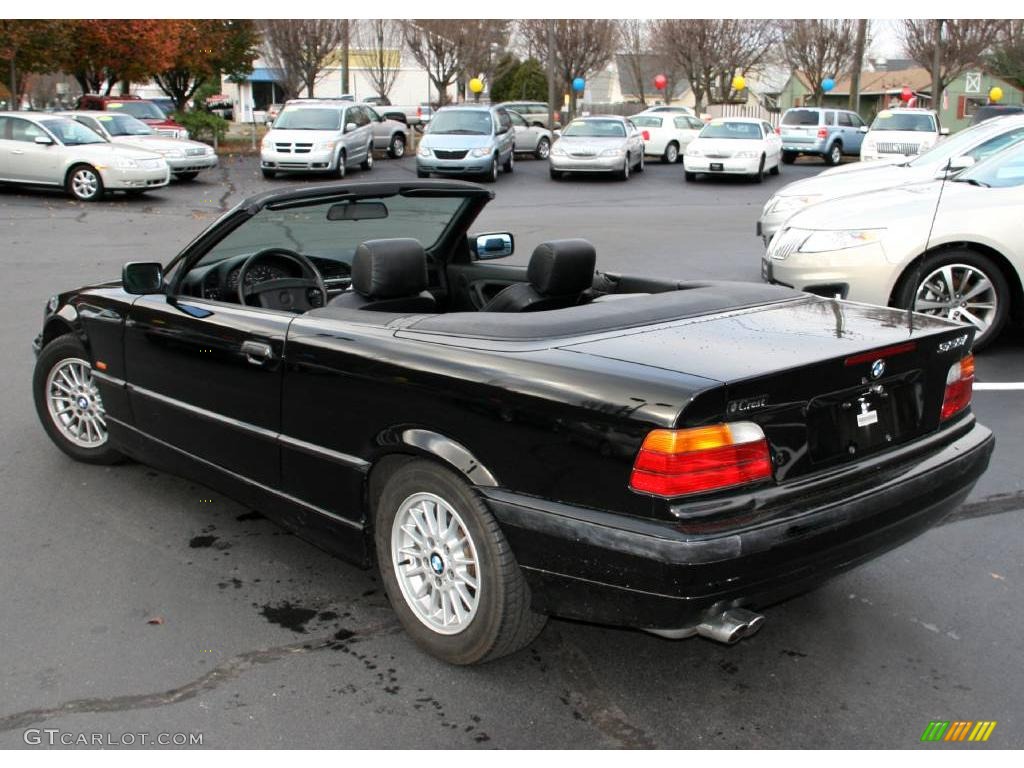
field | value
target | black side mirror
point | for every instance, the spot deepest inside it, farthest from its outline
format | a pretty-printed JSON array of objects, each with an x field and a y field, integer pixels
[{"x": 142, "y": 277}]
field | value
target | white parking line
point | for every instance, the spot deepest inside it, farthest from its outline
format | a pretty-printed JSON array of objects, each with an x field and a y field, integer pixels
[{"x": 1001, "y": 386}]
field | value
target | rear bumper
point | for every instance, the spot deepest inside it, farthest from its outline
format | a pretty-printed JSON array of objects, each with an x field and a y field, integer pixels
[
  {"x": 598, "y": 566},
  {"x": 745, "y": 166}
]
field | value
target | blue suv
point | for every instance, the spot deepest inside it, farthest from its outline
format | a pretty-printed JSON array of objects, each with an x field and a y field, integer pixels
[{"x": 827, "y": 133}]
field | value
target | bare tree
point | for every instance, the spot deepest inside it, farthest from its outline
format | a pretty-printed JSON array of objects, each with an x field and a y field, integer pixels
[
  {"x": 380, "y": 41},
  {"x": 299, "y": 48},
  {"x": 820, "y": 49},
  {"x": 434, "y": 45},
  {"x": 744, "y": 47},
  {"x": 1007, "y": 56},
  {"x": 633, "y": 39},
  {"x": 690, "y": 46},
  {"x": 481, "y": 45},
  {"x": 863, "y": 29},
  {"x": 582, "y": 46},
  {"x": 948, "y": 47}
]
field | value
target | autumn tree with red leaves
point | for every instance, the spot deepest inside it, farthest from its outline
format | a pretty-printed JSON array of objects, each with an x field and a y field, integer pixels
[
  {"x": 101, "y": 52},
  {"x": 204, "y": 49}
]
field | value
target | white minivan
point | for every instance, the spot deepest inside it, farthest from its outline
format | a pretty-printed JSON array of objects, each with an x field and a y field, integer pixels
[
  {"x": 318, "y": 136},
  {"x": 901, "y": 133}
]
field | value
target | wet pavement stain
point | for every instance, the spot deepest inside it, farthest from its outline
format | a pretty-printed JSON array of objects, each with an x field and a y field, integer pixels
[
  {"x": 250, "y": 516},
  {"x": 289, "y": 616},
  {"x": 200, "y": 542}
]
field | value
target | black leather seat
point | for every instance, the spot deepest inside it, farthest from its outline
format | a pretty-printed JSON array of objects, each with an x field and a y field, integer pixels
[
  {"x": 388, "y": 276},
  {"x": 559, "y": 272}
]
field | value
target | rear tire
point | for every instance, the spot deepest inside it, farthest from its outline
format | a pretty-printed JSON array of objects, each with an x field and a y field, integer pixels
[
  {"x": 68, "y": 402},
  {"x": 671, "y": 153},
  {"x": 447, "y": 568},
  {"x": 396, "y": 148},
  {"x": 963, "y": 263},
  {"x": 789, "y": 157},
  {"x": 834, "y": 156},
  {"x": 543, "y": 148}
]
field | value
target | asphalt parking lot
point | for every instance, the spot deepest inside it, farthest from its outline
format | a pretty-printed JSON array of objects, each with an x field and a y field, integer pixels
[{"x": 264, "y": 641}]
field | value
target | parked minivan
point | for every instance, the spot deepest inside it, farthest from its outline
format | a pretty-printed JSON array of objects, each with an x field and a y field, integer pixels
[
  {"x": 467, "y": 140},
  {"x": 318, "y": 136},
  {"x": 825, "y": 133}
]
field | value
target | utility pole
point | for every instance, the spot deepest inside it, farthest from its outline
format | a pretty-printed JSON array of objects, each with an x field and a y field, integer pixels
[
  {"x": 937, "y": 67},
  {"x": 344, "y": 56},
  {"x": 551, "y": 73},
  {"x": 858, "y": 64},
  {"x": 15, "y": 101}
]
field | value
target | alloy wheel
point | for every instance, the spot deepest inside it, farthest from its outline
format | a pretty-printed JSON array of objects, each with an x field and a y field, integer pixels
[
  {"x": 672, "y": 154},
  {"x": 85, "y": 183},
  {"x": 543, "y": 149},
  {"x": 398, "y": 147},
  {"x": 436, "y": 563},
  {"x": 74, "y": 403},
  {"x": 959, "y": 292}
]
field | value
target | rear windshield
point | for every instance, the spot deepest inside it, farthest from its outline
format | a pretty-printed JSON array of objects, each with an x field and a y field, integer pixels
[
  {"x": 611, "y": 129},
  {"x": 726, "y": 130},
  {"x": 648, "y": 121},
  {"x": 309, "y": 119},
  {"x": 904, "y": 121},
  {"x": 800, "y": 117},
  {"x": 145, "y": 110}
]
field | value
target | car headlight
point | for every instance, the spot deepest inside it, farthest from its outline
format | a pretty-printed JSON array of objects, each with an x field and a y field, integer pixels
[
  {"x": 124, "y": 163},
  {"x": 746, "y": 153},
  {"x": 172, "y": 153},
  {"x": 558, "y": 150},
  {"x": 614, "y": 152},
  {"x": 840, "y": 239},
  {"x": 325, "y": 146},
  {"x": 424, "y": 152},
  {"x": 779, "y": 203},
  {"x": 481, "y": 151}
]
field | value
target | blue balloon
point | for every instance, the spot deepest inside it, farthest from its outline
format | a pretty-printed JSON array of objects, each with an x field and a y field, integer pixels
[
  {"x": 828, "y": 84},
  {"x": 578, "y": 84}
]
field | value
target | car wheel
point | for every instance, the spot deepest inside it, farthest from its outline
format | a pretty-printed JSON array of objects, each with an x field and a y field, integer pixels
[
  {"x": 84, "y": 183},
  {"x": 834, "y": 155},
  {"x": 339, "y": 171},
  {"x": 961, "y": 285},
  {"x": 556, "y": 175},
  {"x": 789, "y": 157},
  {"x": 367, "y": 164},
  {"x": 689, "y": 176},
  {"x": 624, "y": 173},
  {"x": 267, "y": 174},
  {"x": 492, "y": 174},
  {"x": 776, "y": 169},
  {"x": 671, "y": 153},
  {"x": 509, "y": 164},
  {"x": 543, "y": 148},
  {"x": 422, "y": 174},
  {"x": 447, "y": 568},
  {"x": 187, "y": 176},
  {"x": 396, "y": 148},
  {"x": 640, "y": 165},
  {"x": 759, "y": 176},
  {"x": 69, "y": 404}
]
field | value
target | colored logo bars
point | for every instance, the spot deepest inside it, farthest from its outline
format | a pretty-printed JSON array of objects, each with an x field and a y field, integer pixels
[{"x": 958, "y": 730}]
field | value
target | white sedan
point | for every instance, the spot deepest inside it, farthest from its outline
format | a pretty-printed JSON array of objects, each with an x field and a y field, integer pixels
[
  {"x": 884, "y": 249},
  {"x": 186, "y": 158},
  {"x": 734, "y": 146},
  {"x": 667, "y": 135}
]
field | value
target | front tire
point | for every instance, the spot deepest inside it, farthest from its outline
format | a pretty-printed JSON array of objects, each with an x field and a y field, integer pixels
[
  {"x": 689, "y": 176},
  {"x": 961, "y": 285},
  {"x": 492, "y": 174},
  {"x": 339, "y": 172},
  {"x": 626, "y": 167},
  {"x": 268, "y": 174},
  {"x": 447, "y": 568},
  {"x": 555, "y": 175},
  {"x": 187, "y": 176},
  {"x": 68, "y": 402},
  {"x": 759, "y": 176},
  {"x": 510, "y": 164},
  {"x": 422, "y": 175},
  {"x": 85, "y": 183}
]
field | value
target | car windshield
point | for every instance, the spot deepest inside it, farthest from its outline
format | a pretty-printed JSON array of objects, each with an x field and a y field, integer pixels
[
  {"x": 471, "y": 122},
  {"x": 309, "y": 119},
  {"x": 721, "y": 129},
  {"x": 124, "y": 125},
  {"x": 309, "y": 230},
  {"x": 71, "y": 133},
  {"x": 800, "y": 117},
  {"x": 904, "y": 121},
  {"x": 648, "y": 121},
  {"x": 1005, "y": 169},
  {"x": 978, "y": 142},
  {"x": 607, "y": 129},
  {"x": 144, "y": 110}
]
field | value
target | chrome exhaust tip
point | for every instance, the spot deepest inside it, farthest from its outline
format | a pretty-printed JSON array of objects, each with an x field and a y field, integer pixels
[{"x": 728, "y": 627}]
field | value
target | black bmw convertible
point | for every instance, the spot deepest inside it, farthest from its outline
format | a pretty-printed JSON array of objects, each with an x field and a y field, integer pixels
[{"x": 510, "y": 442}]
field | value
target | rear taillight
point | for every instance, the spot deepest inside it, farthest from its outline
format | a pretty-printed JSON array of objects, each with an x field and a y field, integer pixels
[
  {"x": 419, "y": 111},
  {"x": 822, "y": 133},
  {"x": 959, "y": 387},
  {"x": 647, "y": 135},
  {"x": 778, "y": 130},
  {"x": 676, "y": 462}
]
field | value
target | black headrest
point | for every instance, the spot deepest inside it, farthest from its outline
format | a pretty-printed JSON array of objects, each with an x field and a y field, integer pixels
[
  {"x": 387, "y": 269},
  {"x": 562, "y": 267}
]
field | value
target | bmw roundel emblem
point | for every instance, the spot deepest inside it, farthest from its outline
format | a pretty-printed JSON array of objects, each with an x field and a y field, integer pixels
[
  {"x": 436, "y": 563},
  {"x": 877, "y": 369}
]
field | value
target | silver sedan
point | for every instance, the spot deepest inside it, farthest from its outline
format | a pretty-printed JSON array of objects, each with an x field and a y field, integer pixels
[
  {"x": 530, "y": 138},
  {"x": 600, "y": 144}
]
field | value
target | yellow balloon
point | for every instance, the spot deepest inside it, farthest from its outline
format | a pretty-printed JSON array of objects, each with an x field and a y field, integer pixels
[
  {"x": 476, "y": 85},
  {"x": 739, "y": 83},
  {"x": 995, "y": 94}
]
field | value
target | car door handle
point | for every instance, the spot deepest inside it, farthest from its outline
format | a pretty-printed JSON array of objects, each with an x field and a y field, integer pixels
[
  {"x": 257, "y": 352},
  {"x": 17, "y": 152}
]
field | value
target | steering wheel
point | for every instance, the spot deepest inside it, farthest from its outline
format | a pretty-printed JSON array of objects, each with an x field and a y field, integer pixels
[{"x": 290, "y": 294}]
